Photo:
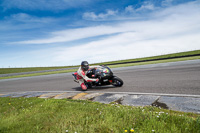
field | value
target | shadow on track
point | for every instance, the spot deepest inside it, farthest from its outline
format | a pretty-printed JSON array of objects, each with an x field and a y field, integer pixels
[{"x": 95, "y": 88}]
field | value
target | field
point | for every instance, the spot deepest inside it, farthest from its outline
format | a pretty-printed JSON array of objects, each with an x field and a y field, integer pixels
[
  {"x": 22, "y": 115},
  {"x": 29, "y": 69},
  {"x": 167, "y": 56}
]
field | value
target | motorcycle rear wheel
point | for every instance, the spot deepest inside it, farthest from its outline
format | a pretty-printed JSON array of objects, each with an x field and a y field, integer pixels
[
  {"x": 88, "y": 85},
  {"x": 117, "y": 82}
]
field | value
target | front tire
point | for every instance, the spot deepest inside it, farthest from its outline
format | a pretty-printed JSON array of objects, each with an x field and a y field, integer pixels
[{"x": 117, "y": 82}]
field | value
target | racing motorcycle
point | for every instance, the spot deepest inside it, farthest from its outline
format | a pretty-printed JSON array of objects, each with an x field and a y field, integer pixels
[{"x": 105, "y": 76}]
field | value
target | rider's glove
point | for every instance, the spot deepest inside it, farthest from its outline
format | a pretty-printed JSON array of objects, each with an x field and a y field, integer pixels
[{"x": 97, "y": 80}]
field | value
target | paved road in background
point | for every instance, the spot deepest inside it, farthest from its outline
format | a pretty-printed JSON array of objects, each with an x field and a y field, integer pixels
[{"x": 168, "y": 78}]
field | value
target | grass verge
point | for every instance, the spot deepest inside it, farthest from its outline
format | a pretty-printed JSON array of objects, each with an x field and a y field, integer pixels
[
  {"x": 52, "y": 115},
  {"x": 38, "y": 74},
  {"x": 155, "y": 62},
  {"x": 179, "y": 55},
  {"x": 29, "y": 69}
]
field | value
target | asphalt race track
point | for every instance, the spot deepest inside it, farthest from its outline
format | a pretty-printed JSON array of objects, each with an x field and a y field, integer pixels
[{"x": 165, "y": 78}]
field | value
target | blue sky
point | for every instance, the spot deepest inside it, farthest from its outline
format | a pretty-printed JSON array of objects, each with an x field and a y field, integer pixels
[{"x": 65, "y": 32}]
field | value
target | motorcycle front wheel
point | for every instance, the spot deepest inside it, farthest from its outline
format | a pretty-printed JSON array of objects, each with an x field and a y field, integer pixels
[{"x": 117, "y": 82}]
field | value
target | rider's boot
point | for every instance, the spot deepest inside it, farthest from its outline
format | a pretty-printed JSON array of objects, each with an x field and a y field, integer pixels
[{"x": 84, "y": 88}]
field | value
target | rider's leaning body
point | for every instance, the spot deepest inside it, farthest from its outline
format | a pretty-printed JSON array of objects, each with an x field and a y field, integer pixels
[{"x": 81, "y": 74}]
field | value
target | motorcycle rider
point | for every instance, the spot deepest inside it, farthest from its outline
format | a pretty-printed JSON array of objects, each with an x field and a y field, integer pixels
[{"x": 81, "y": 74}]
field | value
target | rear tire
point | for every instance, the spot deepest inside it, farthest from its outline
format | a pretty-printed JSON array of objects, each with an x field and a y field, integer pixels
[
  {"x": 117, "y": 82},
  {"x": 88, "y": 85}
]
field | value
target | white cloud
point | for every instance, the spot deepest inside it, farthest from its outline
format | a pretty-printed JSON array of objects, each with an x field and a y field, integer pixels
[
  {"x": 101, "y": 16},
  {"x": 184, "y": 10},
  {"x": 146, "y": 6},
  {"x": 80, "y": 33},
  {"x": 90, "y": 15},
  {"x": 167, "y": 2},
  {"x": 129, "y": 9}
]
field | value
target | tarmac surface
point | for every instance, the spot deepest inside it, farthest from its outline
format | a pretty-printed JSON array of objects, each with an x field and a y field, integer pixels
[
  {"x": 167, "y": 78},
  {"x": 173, "y": 86}
]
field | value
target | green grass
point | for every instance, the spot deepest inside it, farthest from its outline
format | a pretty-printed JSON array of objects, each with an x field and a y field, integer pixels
[
  {"x": 155, "y": 62},
  {"x": 22, "y": 115},
  {"x": 155, "y": 57},
  {"x": 38, "y": 74},
  {"x": 29, "y": 69}
]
